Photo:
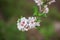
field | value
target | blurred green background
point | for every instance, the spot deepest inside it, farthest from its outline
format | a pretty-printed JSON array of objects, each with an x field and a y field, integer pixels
[{"x": 11, "y": 10}]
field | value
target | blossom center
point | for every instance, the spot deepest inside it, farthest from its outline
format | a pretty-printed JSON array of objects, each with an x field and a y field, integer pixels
[{"x": 22, "y": 24}]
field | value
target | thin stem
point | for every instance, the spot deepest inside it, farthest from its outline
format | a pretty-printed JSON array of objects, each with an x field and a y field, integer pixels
[{"x": 40, "y": 10}]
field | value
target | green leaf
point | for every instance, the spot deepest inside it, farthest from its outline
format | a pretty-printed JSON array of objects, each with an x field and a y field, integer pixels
[
  {"x": 35, "y": 11},
  {"x": 38, "y": 28},
  {"x": 45, "y": 15},
  {"x": 21, "y": 16},
  {"x": 38, "y": 19},
  {"x": 40, "y": 14},
  {"x": 35, "y": 14}
]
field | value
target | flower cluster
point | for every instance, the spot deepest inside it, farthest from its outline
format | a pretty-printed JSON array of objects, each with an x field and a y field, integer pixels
[
  {"x": 45, "y": 8},
  {"x": 25, "y": 24}
]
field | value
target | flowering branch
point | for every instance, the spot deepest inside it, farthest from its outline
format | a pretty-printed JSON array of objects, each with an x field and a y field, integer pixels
[{"x": 25, "y": 24}]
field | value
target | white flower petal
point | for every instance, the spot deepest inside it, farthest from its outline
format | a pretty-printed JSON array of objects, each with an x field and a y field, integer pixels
[
  {"x": 36, "y": 1},
  {"x": 51, "y": 2},
  {"x": 46, "y": 9},
  {"x": 37, "y": 23},
  {"x": 39, "y": 2}
]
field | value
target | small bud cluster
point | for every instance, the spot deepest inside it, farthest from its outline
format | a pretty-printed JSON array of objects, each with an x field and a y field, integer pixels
[{"x": 45, "y": 6}]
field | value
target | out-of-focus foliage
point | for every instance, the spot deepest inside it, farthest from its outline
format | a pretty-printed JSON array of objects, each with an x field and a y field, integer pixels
[{"x": 13, "y": 9}]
